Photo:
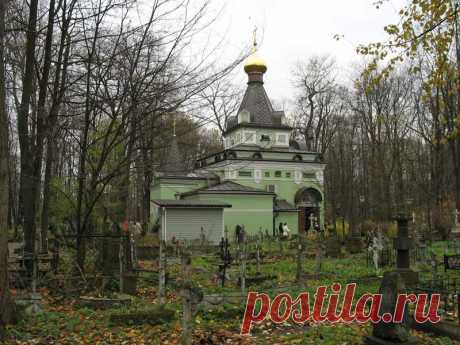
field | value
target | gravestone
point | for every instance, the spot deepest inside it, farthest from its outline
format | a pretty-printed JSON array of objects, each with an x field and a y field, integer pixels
[
  {"x": 403, "y": 244},
  {"x": 391, "y": 333},
  {"x": 354, "y": 243},
  {"x": 333, "y": 247},
  {"x": 108, "y": 258}
]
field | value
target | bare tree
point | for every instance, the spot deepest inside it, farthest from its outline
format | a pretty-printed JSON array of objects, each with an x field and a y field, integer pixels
[
  {"x": 317, "y": 101},
  {"x": 221, "y": 100},
  {"x": 6, "y": 303}
]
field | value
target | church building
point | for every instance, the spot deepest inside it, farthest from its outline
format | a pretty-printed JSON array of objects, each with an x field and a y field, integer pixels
[{"x": 262, "y": 177}]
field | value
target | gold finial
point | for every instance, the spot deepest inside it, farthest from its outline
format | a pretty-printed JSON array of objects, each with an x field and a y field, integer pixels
[{"x": 254, "y": 63}]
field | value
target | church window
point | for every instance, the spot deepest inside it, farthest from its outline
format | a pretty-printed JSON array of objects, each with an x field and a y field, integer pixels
[
  {"x": 297, "y": 158},
  {"x": 231, "y": 155},
  {"x": 271, "y": 188},
  {"x": 308, "y": 175},
  {"x": 278, "y": 173},
  {"x": 257, "y": 155},
  {"x": 243, "y": 116},
  {"x": 265, "y": 137},
  {"x": 257, "y": 175},
  {"x": 267, "y": 174},
  {"x": 237, "y": 138},
  {"x": 243, "y": 173},
  {"x": 281, "y": 138},
  {"x": 288, "y": 175},
  {"x": 249, "y": 137},
  {"x": 297, "y": 176}
]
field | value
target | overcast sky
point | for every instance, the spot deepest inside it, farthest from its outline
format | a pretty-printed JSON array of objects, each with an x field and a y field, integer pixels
[{"x": 292, "y": 30}]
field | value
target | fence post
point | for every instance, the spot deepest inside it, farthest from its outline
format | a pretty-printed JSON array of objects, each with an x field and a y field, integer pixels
[
  {"x": 162, "y": 273},
  {"x": 243, "y": 267},
  {"x": 318, "y": 255},
  {"x": 121, "y": 262},
  {"x": 300, "y": 251},
  {"x": 186, "y": 292},
  {"x": 258, "y": 256},
  {"x": 458, "y": 307}
]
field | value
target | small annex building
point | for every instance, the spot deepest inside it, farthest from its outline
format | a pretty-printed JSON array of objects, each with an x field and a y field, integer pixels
[
  {"x": 184, "y": 219},
  {"x": 262, "y": 177}
]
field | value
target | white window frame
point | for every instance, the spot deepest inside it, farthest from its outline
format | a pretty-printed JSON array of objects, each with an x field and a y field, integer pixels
[
  {"x": 257, "y": 175},
  {"x": 275, "y": 189},
  {"x": 236, "y": 138},
  {"x": 243, "y": 116},
  {"x": 279, "y": 142},
  {"x": 232, "y": 174},
  {"x": 298, "y": 176},
  {"x": 254, "y": 137},
  {"x": 320, "y": 177}
]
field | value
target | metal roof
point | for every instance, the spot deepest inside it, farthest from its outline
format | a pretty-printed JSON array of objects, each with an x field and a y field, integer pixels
[
  {"x": 257, "y": 104},
  {"x": 189, "y": 203},
  {"x": 229, "y": 187},
  {"x": 281, "y": 205}
]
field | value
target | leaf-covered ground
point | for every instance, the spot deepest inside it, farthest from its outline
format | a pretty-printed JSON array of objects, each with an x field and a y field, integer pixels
[{"x": 64, "y": 322}]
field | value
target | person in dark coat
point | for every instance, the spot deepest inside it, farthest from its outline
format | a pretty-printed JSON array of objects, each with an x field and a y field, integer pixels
[{"x": 237, "y": 232}]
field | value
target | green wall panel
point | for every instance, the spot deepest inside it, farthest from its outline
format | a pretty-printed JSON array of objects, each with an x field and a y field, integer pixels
[
  {"x": 253, "y": 211},
  {"x": 291, "y": 218}
]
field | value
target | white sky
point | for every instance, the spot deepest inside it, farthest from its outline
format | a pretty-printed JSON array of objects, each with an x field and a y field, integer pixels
[{"x": 292, "y": 30}]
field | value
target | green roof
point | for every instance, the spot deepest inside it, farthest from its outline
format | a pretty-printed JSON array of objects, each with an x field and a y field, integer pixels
[
  {"x": 171, "y": 203},
  {"x": 228, "y": 187},
  {"x": 281, "y": 205}
]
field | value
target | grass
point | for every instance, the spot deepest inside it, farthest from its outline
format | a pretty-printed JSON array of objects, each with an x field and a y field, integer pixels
[{"x": 62, "y": 322}]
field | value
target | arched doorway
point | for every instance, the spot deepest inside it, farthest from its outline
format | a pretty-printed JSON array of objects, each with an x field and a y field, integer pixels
[{"x": 308, "y": 201}]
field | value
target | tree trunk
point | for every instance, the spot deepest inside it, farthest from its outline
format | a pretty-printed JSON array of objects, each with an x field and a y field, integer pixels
[
  {"x": 46, "y": 195},
  {"x": 25, "y": 142},
  {"x": 6, "y": 303},
  {"x": 41, "y": 117}
]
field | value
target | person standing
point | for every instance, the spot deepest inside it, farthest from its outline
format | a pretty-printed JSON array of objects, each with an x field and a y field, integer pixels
[{"x": 286, "y": 231}]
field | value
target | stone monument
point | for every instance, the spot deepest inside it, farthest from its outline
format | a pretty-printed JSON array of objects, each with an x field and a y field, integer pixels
[
  {"x": 391, "y": 333},
  {"x": 402, "y": 244}
]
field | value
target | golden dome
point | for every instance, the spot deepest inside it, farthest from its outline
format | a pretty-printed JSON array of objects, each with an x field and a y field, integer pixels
[{"x": 255, "y": 63}]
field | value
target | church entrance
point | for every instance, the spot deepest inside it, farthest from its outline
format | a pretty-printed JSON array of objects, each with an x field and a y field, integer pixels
[{"x": 308, "y": 201}]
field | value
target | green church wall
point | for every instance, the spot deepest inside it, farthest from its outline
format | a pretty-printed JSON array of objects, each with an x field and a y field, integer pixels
[
  {"x": 169, "y": 188},
  {"x": 253, "y": 211},
  {"x": 285, "y": 189},
  {"x": 240, "y": 138},
  {"x": 291, "y": 218}
]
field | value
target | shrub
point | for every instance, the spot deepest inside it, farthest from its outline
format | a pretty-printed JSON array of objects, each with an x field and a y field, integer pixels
[
  {"x": 342, "y": 228},
  {"x": 391, "y": 229}
]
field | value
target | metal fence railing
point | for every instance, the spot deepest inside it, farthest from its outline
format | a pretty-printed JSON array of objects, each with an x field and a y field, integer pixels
[{"x": 449, "y": 289}]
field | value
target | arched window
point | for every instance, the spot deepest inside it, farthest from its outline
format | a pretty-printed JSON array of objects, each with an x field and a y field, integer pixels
[
  {"x": 231, "y": 155},
  {"x": 319, "y": 158},
  {"x": 308, "y": 197},
  {"x": 297, "y": 158},
  {"x": 257, "y": 155}
]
